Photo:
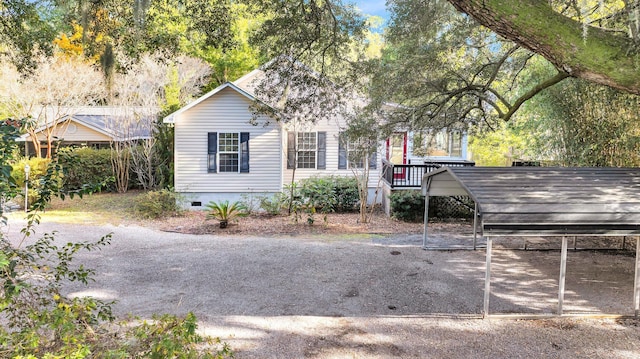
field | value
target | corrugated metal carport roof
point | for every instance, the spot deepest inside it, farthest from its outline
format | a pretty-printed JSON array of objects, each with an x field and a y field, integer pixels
[
  {"x": 543, "y": 201},
  {"x": 546, "y": 201}
]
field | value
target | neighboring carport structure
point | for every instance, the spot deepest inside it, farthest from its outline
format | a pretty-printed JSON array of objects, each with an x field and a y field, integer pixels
[{"x": 545, "y": 201}]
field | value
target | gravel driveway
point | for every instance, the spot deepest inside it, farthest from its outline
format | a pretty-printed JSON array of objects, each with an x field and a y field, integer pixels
[{"x": 362, "y": 296}]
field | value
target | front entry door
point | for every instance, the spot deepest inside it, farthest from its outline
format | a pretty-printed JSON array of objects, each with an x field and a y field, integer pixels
[{"x": 397, "y": 152}]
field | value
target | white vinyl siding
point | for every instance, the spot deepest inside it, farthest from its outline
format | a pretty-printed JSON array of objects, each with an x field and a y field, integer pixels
[
  {"x": 225, "y": 112},
  {"x": 332, "y": 129}
]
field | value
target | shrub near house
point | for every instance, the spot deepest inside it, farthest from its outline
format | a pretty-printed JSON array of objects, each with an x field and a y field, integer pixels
[
  {"x": 85, "y": 165},
  {"x": 409, "y": 205}
]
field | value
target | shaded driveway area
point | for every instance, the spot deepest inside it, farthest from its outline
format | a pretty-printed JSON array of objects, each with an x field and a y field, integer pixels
[{"x": 361, "y": 296}]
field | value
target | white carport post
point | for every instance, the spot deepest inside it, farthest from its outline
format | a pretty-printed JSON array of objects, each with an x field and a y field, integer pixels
[
  {"x": 475, "y": 225},
  {"x": 636, "y": 282},
  {"x": 487, "y": 279},
  {"x": 425, "y": 192},
  {"x": 563, "y": 274}
]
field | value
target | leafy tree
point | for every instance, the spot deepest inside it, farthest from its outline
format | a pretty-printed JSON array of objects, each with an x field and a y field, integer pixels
[
  {"x": 362, "y": 136},
  {"x": 149, "y": 85},
  {"x": 240, "y": 57},
  {"x": 25, "y": 31},
  {"x": 499, "y": 146},
  {"x": 583, "y": 124},
  {"x": 445, "y": 70},
  {"x": 318, "y": 49},
  {"x": 593, "y": 40},
  {"x": 45, "y": 98}
]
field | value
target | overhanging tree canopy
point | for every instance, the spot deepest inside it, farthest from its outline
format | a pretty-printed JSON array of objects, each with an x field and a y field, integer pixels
[{"x": 602, "y": 48}]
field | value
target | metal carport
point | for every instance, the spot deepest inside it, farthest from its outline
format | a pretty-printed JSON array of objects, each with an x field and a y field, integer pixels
[{"x": 544, "y": 201}]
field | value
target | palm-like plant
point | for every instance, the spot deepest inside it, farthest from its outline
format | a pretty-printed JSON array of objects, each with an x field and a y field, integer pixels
[{"x": 224, "y": 211}]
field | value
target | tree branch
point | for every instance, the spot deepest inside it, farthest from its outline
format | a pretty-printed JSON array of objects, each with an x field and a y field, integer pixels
[
  {"x": 534, "y": 91},
  {"x": 602, "y": 57}
]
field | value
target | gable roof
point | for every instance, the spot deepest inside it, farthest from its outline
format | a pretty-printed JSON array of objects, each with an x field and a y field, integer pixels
[
  {"x": 172, "y": 117},
  {"x": 246, "y": 85},
  {"x": 546, "y": 201},
  {"x": 104, "y": 120}
]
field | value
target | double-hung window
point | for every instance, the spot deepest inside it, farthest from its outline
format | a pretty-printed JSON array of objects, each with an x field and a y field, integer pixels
[
  {"x": 228, "y": 152},
  {"x": 352, "y": 154},
  {"x": 307, "y": 147},
  {"x": 306, "y": 150}
]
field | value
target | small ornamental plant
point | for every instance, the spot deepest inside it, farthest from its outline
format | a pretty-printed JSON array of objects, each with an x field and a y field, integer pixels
[{"x": 224, "y": 211}]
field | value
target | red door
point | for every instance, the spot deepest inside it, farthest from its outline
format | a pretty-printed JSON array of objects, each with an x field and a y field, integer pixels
[{"x": 397, "y": 153}]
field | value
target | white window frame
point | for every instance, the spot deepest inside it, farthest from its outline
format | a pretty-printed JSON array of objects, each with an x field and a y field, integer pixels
[
  {"x": 220, "y": 152},
  {"x": 314, "y": 150},
  {"x": 350, "y": 164}
]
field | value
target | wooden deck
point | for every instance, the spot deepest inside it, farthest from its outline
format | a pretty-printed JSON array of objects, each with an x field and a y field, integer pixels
[{"x": 410, "y": 175}]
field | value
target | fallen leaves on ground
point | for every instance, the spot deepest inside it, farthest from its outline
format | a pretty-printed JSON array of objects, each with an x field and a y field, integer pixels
[{"x": 194, "y": 222}]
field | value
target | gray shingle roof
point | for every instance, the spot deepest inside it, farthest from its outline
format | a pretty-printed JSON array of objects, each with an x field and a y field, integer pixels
[{"x": 547, "y": 201}]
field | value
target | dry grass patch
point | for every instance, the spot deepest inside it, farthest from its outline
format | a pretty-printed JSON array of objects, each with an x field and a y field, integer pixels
[
  {"x": 117, "y": 208},
  {"x": 97, "y": 208}
]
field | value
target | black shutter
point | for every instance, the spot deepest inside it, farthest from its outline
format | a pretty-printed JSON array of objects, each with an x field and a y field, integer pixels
[
  {"x": 342, "y": 152},
  {"x": 291, "y": 150},
  {"x": 212, "y": 149},
  {"x": 373, "y": 161},
  {"x": 322, "y": 150},
  {"x": 244, "y": 152}
]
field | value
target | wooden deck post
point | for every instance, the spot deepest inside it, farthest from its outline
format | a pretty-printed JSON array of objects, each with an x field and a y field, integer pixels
[
  {"x": 487, "y": 279},
  {"x": 563, "y": 274}
]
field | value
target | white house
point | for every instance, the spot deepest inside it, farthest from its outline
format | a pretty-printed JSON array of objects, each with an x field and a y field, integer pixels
[{"x": 221, "y": 154}]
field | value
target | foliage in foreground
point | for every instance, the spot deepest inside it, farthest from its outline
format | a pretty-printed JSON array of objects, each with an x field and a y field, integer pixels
[{"x": 38, "y": 321}]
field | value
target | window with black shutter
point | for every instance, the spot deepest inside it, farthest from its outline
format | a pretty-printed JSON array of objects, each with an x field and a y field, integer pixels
[
  {"x": 228, "y": 152},
  {"x": 307, "y": 150}
]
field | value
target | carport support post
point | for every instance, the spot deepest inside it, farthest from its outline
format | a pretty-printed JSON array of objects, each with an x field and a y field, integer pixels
[
  {"x": 563, "y": 274},
  {"x": 475, "y": 225},
  {"x": 426, "y": 220},
  {"x": 636, "y": 282},
  {"x": 487, "y": 279}
]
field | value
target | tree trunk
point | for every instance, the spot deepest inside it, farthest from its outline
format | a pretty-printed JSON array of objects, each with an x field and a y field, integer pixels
[{"x": 602, "y": 57}]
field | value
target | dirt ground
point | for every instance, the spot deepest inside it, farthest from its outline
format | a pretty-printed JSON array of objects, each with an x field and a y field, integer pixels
[
  {"x": 327, "y": 291},
  {"x": 195, "y": 222}
]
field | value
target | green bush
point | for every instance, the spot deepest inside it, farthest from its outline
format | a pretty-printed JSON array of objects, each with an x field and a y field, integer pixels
[
  {"x": 86, "y": 166},
  {"x": 347, "y": 197},
  {"x": 273, "y": 204},
  {"x": 168, "y": 336},
  {"x": 157, "y": 204},
  {"x": 407, "y": 206},
  {"x": 330, "y": 194},
  {"x": 318, "y": 193},
  {"x": 39, "y": 321}
]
